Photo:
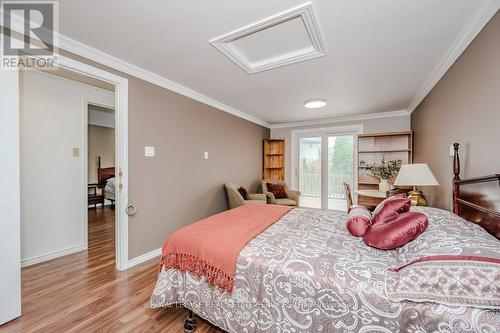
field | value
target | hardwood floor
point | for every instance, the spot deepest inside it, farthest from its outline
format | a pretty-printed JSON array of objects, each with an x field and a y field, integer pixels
[{"x": 83, "y": 292}]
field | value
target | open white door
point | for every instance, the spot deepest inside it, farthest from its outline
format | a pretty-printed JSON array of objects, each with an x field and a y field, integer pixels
[{"x": 10, "y": 247}]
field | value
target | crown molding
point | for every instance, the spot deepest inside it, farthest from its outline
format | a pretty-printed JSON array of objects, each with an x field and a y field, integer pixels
[
  {"x": 481, "y": 16},
  {"x": 90, "y": 53},
  {"x": 93, "y": 54},
  {"x": 304, "y": 11},
  {"x": 366, "y": 116}
]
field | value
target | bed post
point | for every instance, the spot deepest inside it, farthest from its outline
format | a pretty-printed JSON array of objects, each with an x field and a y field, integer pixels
[
  {"x": 190, "y": 323},
  {"x": 456, "y": 179}
]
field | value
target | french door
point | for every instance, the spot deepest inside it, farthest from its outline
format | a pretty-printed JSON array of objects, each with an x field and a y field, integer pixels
[{"x": 324, "y": 162}]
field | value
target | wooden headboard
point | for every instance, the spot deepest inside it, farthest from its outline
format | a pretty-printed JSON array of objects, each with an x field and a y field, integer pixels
[
  {"x": 477, "y": 199},
  {"x": 103, "y": 174}
]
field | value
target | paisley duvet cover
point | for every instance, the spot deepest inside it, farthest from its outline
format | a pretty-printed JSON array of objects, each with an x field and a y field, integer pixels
[{"x": 306, "y": 273}]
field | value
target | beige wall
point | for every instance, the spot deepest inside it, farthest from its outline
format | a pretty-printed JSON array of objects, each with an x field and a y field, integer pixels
[
  {"x": 463, "y": 107},
  {"x": 390, "y": 124},
  {"x": 101, "y": 142},
  {"x": 179, "y": 187}
]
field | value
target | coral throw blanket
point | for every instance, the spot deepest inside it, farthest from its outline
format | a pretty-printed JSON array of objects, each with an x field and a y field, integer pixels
[{"x": 210, "y": 247}]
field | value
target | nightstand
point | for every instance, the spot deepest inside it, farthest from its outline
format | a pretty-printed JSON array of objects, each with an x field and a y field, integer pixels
[{"x": 95, "y": 194}]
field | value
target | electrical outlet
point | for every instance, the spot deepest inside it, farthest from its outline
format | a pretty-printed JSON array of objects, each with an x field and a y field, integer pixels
[
  {"x": 205, "y": 155},
  {"x": 76, "y": 152}
]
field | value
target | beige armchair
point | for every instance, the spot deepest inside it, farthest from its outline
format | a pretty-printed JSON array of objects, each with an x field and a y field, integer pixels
[
  {"x": 236, "y": 199},
  {"x": 293, "y": 196}
]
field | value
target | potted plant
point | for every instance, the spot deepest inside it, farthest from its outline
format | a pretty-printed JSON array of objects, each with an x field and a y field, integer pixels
[{"x": 384, "y": 171}]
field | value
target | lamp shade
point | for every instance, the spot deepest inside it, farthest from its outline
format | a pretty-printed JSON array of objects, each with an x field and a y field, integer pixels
[{"x": 417, "y": 174}]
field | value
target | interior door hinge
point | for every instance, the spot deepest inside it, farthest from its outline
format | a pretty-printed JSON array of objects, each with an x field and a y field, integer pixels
[{"x": 120, "y": 175}]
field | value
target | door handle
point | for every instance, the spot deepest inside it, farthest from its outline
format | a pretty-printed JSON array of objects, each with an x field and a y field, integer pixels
[{"x": 130, "y": 209}]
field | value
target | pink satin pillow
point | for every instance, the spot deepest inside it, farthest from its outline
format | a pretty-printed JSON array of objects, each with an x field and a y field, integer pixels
[
  {"x": 390, "y": 208},
  {"x": 358, "y": 220},
  {"x": 396, "y": 232}
]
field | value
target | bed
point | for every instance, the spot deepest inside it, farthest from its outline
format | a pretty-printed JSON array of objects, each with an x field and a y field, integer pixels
[
  {"x": 110, "y": 190},
  {"x": 106, "y": 179},
  {"x": 306, "y": 273}
]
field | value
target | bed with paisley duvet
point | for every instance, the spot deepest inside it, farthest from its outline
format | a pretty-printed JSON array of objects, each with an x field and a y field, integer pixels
[{"x": 305, "y": 272}]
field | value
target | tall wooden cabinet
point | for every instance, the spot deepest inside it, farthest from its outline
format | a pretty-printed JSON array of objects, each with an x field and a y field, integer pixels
[
  {"x": 375, "y": 148},
  {"x": 274, "y": 159}
]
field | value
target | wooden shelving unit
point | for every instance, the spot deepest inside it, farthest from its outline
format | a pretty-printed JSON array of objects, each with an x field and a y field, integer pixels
[
  {"x": 274, "y": 160},
  {"x": 374, "y": 148}
]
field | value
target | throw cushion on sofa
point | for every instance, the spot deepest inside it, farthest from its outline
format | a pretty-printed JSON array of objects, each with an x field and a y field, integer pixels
[
  {"x": 243, "y": 193},
  {"x": 278, "y": 190}
]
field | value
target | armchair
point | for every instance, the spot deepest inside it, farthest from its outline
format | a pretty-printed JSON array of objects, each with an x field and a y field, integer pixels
[
  {"x": 236, "y": 199},
  {"x": 293, "y": 196}
]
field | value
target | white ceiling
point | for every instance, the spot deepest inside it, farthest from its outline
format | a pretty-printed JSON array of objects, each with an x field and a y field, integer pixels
[{"x": 381, "y": 54}]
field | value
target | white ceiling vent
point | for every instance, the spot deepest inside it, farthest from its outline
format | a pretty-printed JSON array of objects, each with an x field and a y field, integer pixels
[{"x": 286, "y": 38}]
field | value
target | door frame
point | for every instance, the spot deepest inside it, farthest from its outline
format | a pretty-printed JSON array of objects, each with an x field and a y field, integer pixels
[
  {"x": 10, "y": 225},
  {"x": 121, "y": 153},
  {"x": 324, "y": 133}
]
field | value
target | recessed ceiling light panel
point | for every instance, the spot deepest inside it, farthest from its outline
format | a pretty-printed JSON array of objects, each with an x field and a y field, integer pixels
[{"x": 315, "y": 103}]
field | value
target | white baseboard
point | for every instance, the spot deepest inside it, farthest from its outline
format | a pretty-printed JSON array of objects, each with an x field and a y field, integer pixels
[
  {"x": 56, "y": 254},
  {"x": 145, "y": 257},
  {"x": 52, "y": 255}
]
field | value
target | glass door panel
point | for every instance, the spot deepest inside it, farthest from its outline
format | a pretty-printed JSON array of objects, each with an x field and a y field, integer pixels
[
  {"x": 340, "y": 169},
  {"x": 310, "y": 171}
]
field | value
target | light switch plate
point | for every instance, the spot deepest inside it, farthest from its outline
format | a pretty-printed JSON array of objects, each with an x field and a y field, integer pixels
[
  {"x": 452, "y": 151},
  {"x": 205, "y": 156},
  {"x": 149, "y": 151},
  {"x": 76, "y": 152}
]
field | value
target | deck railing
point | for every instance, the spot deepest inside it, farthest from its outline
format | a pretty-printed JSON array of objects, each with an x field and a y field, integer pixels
[{"x": 310, "y": 185}]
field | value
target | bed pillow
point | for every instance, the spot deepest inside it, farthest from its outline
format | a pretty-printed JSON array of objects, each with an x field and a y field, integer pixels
[
  {"x": 390, "y": 208},
  {"x": 461, "y": 253},
  {"x": 454, "y": 280},
  {"x": 244, "y": 193},
  {"x": 278, "y": 190},
  {"x": 397, "y": 232},
  {"x": 358, "y": 220},
  {"x": 448, "y": 234}
]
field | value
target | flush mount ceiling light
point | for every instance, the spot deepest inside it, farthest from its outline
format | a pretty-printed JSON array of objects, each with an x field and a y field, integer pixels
[{"x": 315, "y": 103}]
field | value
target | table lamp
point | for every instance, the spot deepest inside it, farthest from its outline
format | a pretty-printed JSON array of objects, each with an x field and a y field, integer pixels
[{"x": 414, "y": 175}]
